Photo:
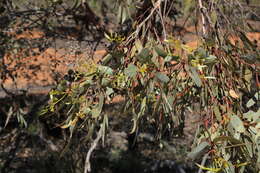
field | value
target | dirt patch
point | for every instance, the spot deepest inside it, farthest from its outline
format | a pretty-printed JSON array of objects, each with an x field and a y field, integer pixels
[{"x": 42, "y": 68}]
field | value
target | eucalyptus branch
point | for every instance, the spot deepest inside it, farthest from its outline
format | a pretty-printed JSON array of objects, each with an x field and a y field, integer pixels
[{"x": 135, "y": 34}]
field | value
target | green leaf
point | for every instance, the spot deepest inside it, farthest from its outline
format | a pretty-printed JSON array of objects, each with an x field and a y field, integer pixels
[
  {"x": 171, "y": 58},
  {"x": 168, "y": 58},
  {"x": 250, "y": 58},
  {"x": 131, "y": 70},
  {"x": 211, "y": 59},
  {"x": 212, "y": 170},
  {"x": 104, "y": 128},
  {"x": 98, "y": 108},
  {"x": 217, "y": 113},
  {"x": 237, "y": 124},
  {"x": 252, "y": 116},
  {"x": 250, "y": 103},
  {"x": 159, "y": 50},
  {"x": 248, "y": 75},
  {"x": 199, "y": 150},
  {"x": 194, "y": 75},
  {"x": 201, "y": 53},
  {"x": 144, "y": 55},
  {"x": 105, "y": 70},
  {"x": 142, "y": 109},
  {"x": 106, "y": 59},
  {"x": 162, "y": 77}
]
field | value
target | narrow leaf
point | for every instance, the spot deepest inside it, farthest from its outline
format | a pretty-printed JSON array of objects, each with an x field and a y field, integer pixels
[
  {"x": 199, "y": 150},
  {"x": 194, "y": 75}
]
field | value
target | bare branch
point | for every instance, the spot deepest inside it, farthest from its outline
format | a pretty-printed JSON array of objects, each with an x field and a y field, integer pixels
[{"x": 87, "y": 167}]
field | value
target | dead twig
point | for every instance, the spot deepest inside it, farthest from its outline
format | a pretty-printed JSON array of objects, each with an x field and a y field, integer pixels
[{"x": 87, "y": 167}]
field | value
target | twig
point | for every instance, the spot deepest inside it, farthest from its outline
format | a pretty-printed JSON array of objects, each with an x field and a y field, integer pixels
[
  {"x": 202, "y": 18},
  {"x": 138, "y": 28},
  {"x": 162, "y": 20},
  {"x": 87, "y": 167}
]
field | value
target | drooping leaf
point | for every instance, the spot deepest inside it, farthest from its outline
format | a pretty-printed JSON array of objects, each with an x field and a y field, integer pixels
[
  {"x": 135, "y": 119},
  {"x": 144, "y": 56},
  {"x": 106, "y": 59},
  {"x": 119, "y": 13},
  {"x": 108, "y": 37},
  {"x": 143, "y": 106},
  {"x": 98, "y": 108},
  {"x": 170, "y": 58},
  {"x": 199, "y": 150},
  {"x": 194, "y": 75},
  {"x": 201, "y": 53},
  {"x": 250, "y": 103},
  {"x": 248, "y": 75},
  {"x": 104, "y": 127},
  {"x": 124, "y": 15},
  {"x": 105, "y": 81},
  {"x": 209, "y": 169},
  {"x": 217, "y": 113},
  {"x": 237, "y": 124},
  {"x": 211, "y": 59},
  {"x": 105, "y": 70},
  {"x": 159, "y": 50},
  {"x": 9, "y": 114},
  {"x": 252, "y": 116},
  {"x": 162, "y": 77},
  {"x": 131, "y": 70}
]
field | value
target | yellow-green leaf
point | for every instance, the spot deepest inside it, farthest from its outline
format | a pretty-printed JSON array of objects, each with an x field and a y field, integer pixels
[{"x": 209, "y": 169}]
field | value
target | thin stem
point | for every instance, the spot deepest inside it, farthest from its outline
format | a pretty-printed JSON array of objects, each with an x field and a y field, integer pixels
[{"x": 87, "y": 167}]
